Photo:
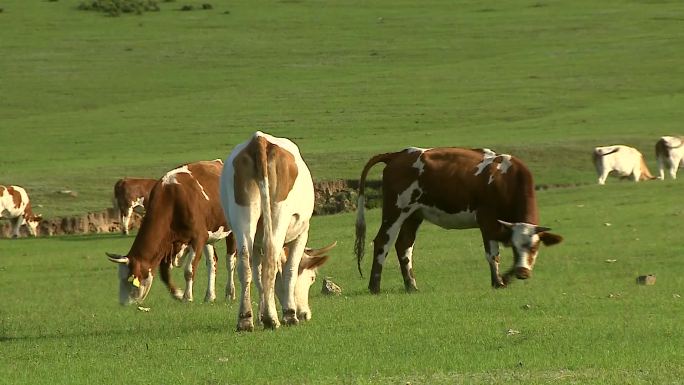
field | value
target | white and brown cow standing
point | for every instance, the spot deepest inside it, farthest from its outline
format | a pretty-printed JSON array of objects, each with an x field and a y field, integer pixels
[
  {"x": 131, "y": 194},
  {"x": 454, "y": 188},
  {"x": 183, "y": 209},
  {"x": 15, "y": 205},
  {"x": 268, "y": 197},
  {"x": 625, "y": 161},
  {"x": 669, "y": 152}
]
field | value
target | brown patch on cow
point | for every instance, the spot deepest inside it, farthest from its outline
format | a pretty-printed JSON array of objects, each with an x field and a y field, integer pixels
[
  {"x": 16, "y": 196},
  {"x": 281, "y": 170}
]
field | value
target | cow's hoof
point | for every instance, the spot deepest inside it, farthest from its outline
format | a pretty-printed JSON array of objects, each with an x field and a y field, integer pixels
[
  {"x": 374, "y": 288},
  {"x": 270, "y": 322},
  {"x": 245, "y": 324},
  {"x": 290, "y": 317},
  {"x": 499, "y": 285},
  {"x": 209, "y": 299},
  {"x": 177, "y": 294},
  {"x": 187, "y": 299},
  {"x": 410, "y": 287}
]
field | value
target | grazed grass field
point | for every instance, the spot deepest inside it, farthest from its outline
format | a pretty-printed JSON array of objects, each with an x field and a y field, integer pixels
[{"x": 86, "y": 99}]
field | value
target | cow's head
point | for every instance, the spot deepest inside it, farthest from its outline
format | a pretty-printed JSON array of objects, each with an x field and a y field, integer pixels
[
  {"x": 134, "y": 283},
  {"x": 32, "y": 222},
  {"x": 525, "y": 241},
  {"x": 311, "y": 260}
]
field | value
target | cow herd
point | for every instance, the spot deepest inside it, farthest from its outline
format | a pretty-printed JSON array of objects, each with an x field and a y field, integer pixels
[
  {"x": 628, "y": 162},
  {"x": 260, "y": 202}
]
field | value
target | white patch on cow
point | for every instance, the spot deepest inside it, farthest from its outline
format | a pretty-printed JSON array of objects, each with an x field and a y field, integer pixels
[
  {"x": 523, "y": 237},
  {"x": 405, "y": 198},
  {"x": 462, "y": 220},
  {"x": 415, "y": 149},
  {"x": 170, "y": 176},
  {"x": 505, "y": 163},
  {"x": 418, "y": 164},
  {"x": 202, "y": 190},
  {"x": 487, "y": 159},
  {"x": 392, "y": 234}
]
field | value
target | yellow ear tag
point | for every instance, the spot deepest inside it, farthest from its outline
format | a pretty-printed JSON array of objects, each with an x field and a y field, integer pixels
[{"x": 134, "y": 280}]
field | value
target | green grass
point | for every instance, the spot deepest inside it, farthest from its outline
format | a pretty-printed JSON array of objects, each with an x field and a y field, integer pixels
[
  {"x": 61, "y": 322},
  {"x": 86, "y": 99}
]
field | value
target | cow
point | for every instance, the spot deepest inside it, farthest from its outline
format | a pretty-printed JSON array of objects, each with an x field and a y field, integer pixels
[
  {"x": 268, "y": 197},
  {"x": 183, "y": 211},
  {"x": 454, "y": 188},
  {"x": 669, "y": 152},
  {"x": 626, "y": 161},
  {"x": 15, "y": 205},
  {"x": 131, "y": 194}
]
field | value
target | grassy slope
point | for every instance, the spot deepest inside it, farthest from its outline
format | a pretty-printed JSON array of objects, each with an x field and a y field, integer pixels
[
  {"x": 87, "y": 99},
  {"x": 94, "y": 98}
]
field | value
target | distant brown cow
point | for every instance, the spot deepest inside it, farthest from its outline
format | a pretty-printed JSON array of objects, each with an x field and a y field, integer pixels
[
  {"x": 16, "y": 206},
  {"x": 183, "y": 209},
  {"x": 131, "y": 194},
  {"x": 454, "y": 188}
]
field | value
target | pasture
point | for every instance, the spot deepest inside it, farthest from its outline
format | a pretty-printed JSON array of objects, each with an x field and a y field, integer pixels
[{"x": 86, "y": 99}]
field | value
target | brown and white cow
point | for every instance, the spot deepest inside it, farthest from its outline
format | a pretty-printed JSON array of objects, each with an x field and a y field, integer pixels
[
  {"x": 268, "y": 197},
  {"x": 15, "y": 205},
  {"x": 131, "y": 194},
  {"x": 183, "y": 210},
  {"x": 669, "y": 152},
  {"x": 625, "y": 161},
  {"x": 454, "y": 188}
]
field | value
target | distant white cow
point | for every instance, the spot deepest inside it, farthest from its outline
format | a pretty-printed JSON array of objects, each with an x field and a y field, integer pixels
[
  {"x": 669, "y": 154},
  {"x": 16, "y": 206},
  {"x": 626, "y": 161}
]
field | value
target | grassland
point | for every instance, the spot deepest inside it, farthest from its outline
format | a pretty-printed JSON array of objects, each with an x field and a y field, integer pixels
[{"x": 86, "y": 99}]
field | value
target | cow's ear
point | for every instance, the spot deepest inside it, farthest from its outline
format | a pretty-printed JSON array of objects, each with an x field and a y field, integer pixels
[
  {"x": 116, "y": 258},
  {"x": 309, "y": 262},
  {"x": 550, "y": 239}
]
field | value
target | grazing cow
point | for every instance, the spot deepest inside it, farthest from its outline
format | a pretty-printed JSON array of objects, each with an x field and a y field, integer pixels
[
  {"x": 268, "y": 197},
  {"x": 131, "y": 194},
  {"x": 625, "y": 161},
  {"x": 454, "y": 188},
  {"x": 16, "y": 206},
  {"x": 669, "y": 154},
  {"x": 183, "y": 210}
]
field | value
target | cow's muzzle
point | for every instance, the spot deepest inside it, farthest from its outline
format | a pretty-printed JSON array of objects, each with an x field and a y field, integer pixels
[{"x": 522, "y": 273}]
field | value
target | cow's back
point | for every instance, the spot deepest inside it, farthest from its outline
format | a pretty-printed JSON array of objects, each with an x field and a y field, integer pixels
[{"x": 14, "y": 201}]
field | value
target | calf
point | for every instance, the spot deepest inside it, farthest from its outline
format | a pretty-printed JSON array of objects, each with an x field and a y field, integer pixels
[
  {"x": 131, "y": 194},
  {"x": 183, "y": 210},
  {"x": 268, "y": 197},
  {"x": 669, "y": 152},
  {"x": 16, "y": 206},
  {"x": 454, "y": 188},
  {"x": 626, "y": 161}
]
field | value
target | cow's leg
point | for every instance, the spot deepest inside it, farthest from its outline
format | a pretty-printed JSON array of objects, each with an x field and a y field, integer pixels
[
  {"x": 230, "y": 265},
  {"x": 211, "y": 260},
  {"x": 165, "y": 272},
  {"x": 492, "y": 254},
  {"x": 245, "y": 319},
  {"x": 188, "y": 272},
  {"x": 392, "y": 220},
  {"x": 636, "y": 174},
  {"x": 198, "y": 245},
  {"x": 269, "y": 268},
  {"x": 290, "y": 272},
  {"x": 16, "y": 224},
  {"x": 674, "y": 167},
  {"x": 126, "y": 219},
  {"x": 404, "y": 247},
  {"x": 661, "y": 167},
  {"x": 603, "y": 174}
]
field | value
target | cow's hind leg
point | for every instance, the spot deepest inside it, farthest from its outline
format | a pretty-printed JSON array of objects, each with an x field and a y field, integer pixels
[
  {"x": 404, "y": 246},
  {"x": 392, "y": 220},
  {"x": 290, "y": 272},
  {"x": 211, "y": 260},
  {"x": 230, "y": 265}
]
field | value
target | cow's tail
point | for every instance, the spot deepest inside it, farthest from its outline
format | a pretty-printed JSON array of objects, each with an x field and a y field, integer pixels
[
  {"x": 261, "y": 163},
  {"x": 645, "y": 173},
  {"x": 360, "y": 243}
]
